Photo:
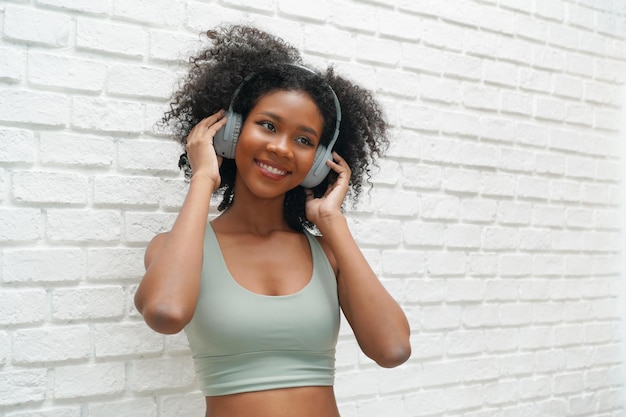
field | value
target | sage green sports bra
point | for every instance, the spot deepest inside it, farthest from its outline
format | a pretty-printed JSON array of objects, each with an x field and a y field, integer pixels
[{"x": 242, "y": 341}]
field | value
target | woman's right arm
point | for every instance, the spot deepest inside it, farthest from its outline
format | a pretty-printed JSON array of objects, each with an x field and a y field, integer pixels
[{"x": 168, "y": 292}]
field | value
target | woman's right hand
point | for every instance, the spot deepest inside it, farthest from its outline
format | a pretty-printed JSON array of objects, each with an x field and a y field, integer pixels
[{"x": 200, "y": 152}]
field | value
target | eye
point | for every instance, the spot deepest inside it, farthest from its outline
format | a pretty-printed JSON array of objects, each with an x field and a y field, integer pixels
[
  {"x": 268, "y": 125},
  {"x": 305, "y": 141}
]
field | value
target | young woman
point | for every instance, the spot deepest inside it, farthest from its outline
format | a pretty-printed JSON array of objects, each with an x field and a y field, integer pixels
[{"x": 257, "y": 293}]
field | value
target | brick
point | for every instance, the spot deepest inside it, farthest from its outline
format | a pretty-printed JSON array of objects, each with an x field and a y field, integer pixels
[
  {"x": 377, "y": 50},
  {"x": 465, "y": 342},
  {"x": 531, "y": 134},
  {"x": 502, "y": 290},
  {"x": 438, "y": 207},
  {"x": 480, "y": 316},
  {"x": 72, "y": 382},
  {"x": 76, "y": 225},
  {"x": 401, "y": 262},
  {"x": 122, "y": 190},
  {"x": 463, "y": 236},
  {"x": 536, "y": 240},
  {"x": 12, "y": 64},
  {"x": 366, "y": 18},
  {"x": 441, "y": 318},
  {"x": 396, "y": 202},
  {"x": 535, "y": 80},
  {"x": 153, "y": 374},
  {"x": 579, "y": 64},
  {"x": 515, "y": 265},
  {"x": 500, "y": 238},
  {"x": 462, "y": 181},
  {"x": 43, "y": 265},
  {"x": 23, "y": 306},
  {"x": 50, "y": 187},
  {"x": 440, "y": 89},
  {"x": 481, "y": 97},
  {"x": 22, "y": 387},
  {"x": 380, "y": 233},
  {"x": 149, "y": 155},
  {"x": 426, "y": 402},
  {"x": 424, "y": 291},
  {"x": 95, "y": 113},
  {"x": 200, "y": 16},
  {"x": 424, "y": 234},
  {"x": 482, "y": 264},
  {"x": 78, "y": 150},
  {"x": 511, "y": 213},
  {"x": 119, "y": 39},
  {"x": 481, "y": 211},
  {"x": 125, "y": 339},
  {"x": 101, "y": 7},
  {"x": 4, "y": 348},
  {"x": 533, "y": 188},
  {"x": 498, "y": 185},
  {"x": 114, "y": 263},
  {"x": 501, "y": 340},
  {"x": 516, "y": 103},
  {"x": 388, "y": 173},
  {"x": 17, "y": 146},
  {"x": 22, "y": 106},
  {"x": 58, "y": 411},
  {"x": 51, "y": 70},
  {"x": 335, "y": 42},
  {"x": 51, "y": 344},
  {"x": 87, "y": 303},
  {"x": 142, "y": 227},
  {"x": 185, "y": 404},
  {"x": 379, "y": 406},
  {"x": 437, "y": 374},
  {"x": 156, "y": 82},
  {"x": 158, "y": 12},
  {"x": 138, "y": 407},
  {"x": 422, "y": 176},
  {"x": 36, "y": 26},
  {"x": 435, "y": 33},
  {"x": 171, "y": 45},
  {"x": 20, "y": 225}
]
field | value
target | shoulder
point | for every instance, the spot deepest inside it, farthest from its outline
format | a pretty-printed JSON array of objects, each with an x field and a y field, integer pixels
[
  {"x": 328, "y": 252},
  {"x": 154, "y": 247}
]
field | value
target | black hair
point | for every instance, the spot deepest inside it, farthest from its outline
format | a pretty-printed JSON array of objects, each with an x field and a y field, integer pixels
[{"x": 238, "y": 52}]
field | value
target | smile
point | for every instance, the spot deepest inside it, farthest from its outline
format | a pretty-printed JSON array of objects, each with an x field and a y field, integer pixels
[{"x": 272, "y": 170}]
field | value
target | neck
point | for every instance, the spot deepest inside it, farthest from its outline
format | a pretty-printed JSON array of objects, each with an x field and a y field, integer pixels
[{"x": 251, "y": 214}]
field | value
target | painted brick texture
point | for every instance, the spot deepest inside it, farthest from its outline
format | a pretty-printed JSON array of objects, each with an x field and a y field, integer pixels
[{"x": 495, "y": 219}]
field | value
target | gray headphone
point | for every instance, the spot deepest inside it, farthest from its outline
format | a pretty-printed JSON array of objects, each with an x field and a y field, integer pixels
[{"x": 225, "y": 140}]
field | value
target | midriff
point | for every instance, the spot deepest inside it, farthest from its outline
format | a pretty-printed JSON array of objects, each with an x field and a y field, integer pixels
[{"x": 284, "y": 402}]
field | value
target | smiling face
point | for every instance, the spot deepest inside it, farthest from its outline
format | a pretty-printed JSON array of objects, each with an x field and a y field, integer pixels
[{"x": 277, "y": 144}]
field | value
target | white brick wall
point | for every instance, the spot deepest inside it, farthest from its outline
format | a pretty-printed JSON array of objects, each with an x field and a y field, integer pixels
[{"x": 496, "y": 218}]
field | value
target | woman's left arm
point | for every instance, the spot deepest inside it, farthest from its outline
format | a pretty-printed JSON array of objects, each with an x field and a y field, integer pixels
[{"x": 379, "y": 324}]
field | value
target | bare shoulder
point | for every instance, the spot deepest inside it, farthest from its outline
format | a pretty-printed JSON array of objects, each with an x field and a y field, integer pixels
[
  {"x": 329, "y": 253},
  {"x": 154, "y": 247}
]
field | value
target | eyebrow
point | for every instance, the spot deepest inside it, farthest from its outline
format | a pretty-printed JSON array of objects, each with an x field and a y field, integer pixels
[{"x": 280, "y": 119}]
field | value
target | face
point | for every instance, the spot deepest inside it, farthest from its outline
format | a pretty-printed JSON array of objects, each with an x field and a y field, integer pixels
[{"x": 277, "y": 144}]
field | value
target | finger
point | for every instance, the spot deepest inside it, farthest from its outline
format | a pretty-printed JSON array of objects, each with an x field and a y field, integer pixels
[{"x": 212, "y": 119}]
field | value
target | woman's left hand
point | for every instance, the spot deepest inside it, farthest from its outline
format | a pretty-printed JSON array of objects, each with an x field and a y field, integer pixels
[{"x": 328, "y": 207}]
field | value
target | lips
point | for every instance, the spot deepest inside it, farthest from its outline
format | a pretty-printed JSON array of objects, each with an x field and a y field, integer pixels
[{"x": 272, "y": 170}]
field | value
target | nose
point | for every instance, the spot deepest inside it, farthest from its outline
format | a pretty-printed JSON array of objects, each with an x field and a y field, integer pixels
[{"x": 280, "y": 146}]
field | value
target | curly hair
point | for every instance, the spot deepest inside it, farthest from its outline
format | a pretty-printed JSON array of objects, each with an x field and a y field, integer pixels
[{"x": 237, "y": 53}]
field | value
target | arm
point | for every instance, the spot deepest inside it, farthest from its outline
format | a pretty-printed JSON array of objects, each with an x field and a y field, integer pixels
[
  {"x": 168, "y": 292},
  {"x": 379, "y": 324}
]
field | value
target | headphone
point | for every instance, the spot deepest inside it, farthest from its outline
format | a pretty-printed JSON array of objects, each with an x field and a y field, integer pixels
[{"x": 225, "y": 140}]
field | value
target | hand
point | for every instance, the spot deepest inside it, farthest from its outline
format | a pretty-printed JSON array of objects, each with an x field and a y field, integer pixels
[
  {"x": 328, "y": 207},
  {"x": 200, "y": 151}
]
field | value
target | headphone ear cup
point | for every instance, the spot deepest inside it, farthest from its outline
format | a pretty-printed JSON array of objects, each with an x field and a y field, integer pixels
[
  {"x": 225, "y": 140},
  {"x": 319, "y": 170}
]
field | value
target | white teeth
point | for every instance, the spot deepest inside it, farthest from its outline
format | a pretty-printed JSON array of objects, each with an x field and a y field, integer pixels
[{"x": 272, "y": 170}]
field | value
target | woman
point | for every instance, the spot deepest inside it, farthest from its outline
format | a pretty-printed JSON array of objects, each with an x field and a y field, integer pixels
[{"x": 258, "y": 294}]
